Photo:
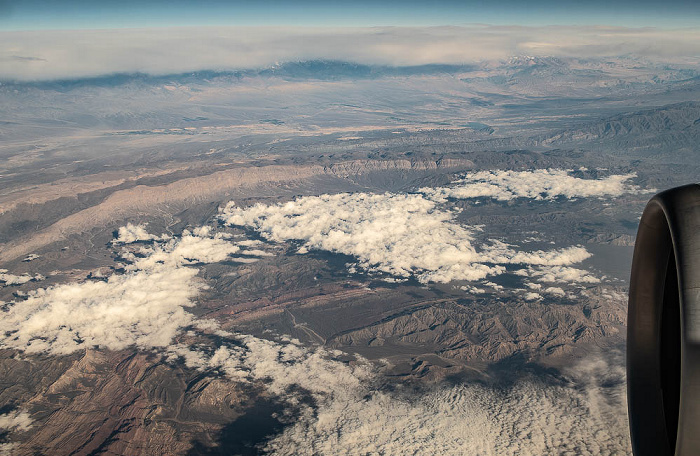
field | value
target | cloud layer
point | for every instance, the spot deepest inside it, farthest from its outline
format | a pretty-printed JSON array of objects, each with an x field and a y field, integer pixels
[
  {"x": 41, "y": 55},
  {"x": 530, "y": 418},
  {"x": 538, "y": 184},
  {"x": 352, "y": 414},
  {"x": 397, "y": 234}
]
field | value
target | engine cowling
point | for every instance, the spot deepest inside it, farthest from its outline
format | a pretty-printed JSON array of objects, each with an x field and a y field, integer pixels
[{"x": 663, "y": 332}]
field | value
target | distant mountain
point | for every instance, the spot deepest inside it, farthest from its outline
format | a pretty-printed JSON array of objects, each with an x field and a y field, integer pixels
[
  {"x": 530, "y": 64},
  {"x": 310, "y": 69},
  {"x": 672, "y": 129},
  {"x": 679, "y": 117},
  {"x": 333, "y": 69}
]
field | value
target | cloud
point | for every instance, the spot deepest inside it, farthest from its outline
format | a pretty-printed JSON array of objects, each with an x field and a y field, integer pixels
[
  {"x": 531, "y": 418},
  {"x": 404, "y": 235},
  {"x": 556, "y": 291},
  {"x": 192, "y": 248},
  {"x": 12, "y": 422},
  {"x": 500, "y": 252},
  {"x": 144, "y": 307},
  {"x": 11, "y": 279},
  {"x": 351, "y": 417},
  {"x": 472, "y": 289},
  {"x": 134, "y": 233},
  {"x": 282, "y": 365},
  {"x": 53, "y": 54},
  {"x": 558, "y": 274},
  {"x": 352, "y": 413},
  {"x": 532, "y": 296},
  {"x": 539, "y": 184},
  {"x": 16, "y": 421}
]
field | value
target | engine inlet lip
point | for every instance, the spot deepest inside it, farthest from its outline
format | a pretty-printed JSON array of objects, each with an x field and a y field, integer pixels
[{"x": 663, "y": 327}]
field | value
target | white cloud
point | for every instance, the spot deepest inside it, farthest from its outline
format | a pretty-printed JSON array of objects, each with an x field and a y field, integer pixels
[
  {"x": 494, "y": 286},
  {"x": 250, "y": 243},
  {"x": 500, "y": 252},
  {"x": 555, "y": 291},
  {"x": 256, "y": 252},
  {"x": 134, "y": 233},
  {"x": 144, "y": 307},
  {"x": 38, "y": 55},
  {"x": 533, "y": 286},
  {"x": 398, "y": 234},
  {"x": 353, "y": 414},
  {"x": 16, "y": 421},
  {"x": 538, "y": 290},
  {"x": 393, "y": 234},
  {"x": 282, "y": 365},
  {"x": 11, "y": 279},
  {"x": 244, "y": 260},
  {"x": 539, "y": 184},
  {"x": 190, "y": 249},
  {"x": 472, "y": 289},
  {"x": 532, "y": 418},
  {"x": 559, "y": 274},
  {"x": 532, "y": 296}
]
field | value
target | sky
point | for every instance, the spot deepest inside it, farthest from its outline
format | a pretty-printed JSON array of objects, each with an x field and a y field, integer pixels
[
  {"x": 83, "y": 14},
  {"x": 45, "y": 40},
  {"x": 67, "y": 54}
]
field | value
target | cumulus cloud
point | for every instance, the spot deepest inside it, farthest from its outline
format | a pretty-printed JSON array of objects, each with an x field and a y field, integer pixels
[
  {"x": 539, "y": 184},
  {"x": 16, "y": 421},
  {"x": 12, "y": 279},
  {"x": 558, "y": 274},
  {"x": 472, "y": 289},
  {"x": 41, "y": 55},
  {"x": 144, "y": 307},
  {"x": 555, "y": 291},
  {"x": 12, "y": 422},
  {"x": 191, "y": 248},
  {"x": 131, "y": 233},
  {"x": 283, "y": 364},
  {"x": 500, "y": 252},
  {"x": 532, "y": 296},
  {"x": 404, "y": 235}
]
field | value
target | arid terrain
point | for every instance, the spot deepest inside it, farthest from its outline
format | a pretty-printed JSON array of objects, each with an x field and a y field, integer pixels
[{"x": 287, "y": 260}]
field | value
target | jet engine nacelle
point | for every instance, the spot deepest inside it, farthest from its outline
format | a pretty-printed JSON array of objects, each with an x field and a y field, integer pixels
[{"x": 663, "y": 332}]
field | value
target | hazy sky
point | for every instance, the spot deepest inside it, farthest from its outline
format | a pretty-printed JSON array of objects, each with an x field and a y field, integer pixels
[
  {"x": 59, "y": 54},
  {"x": 77, "y": 14}
]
